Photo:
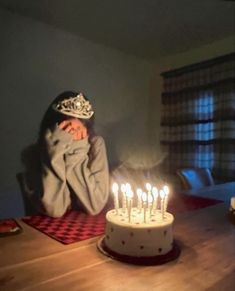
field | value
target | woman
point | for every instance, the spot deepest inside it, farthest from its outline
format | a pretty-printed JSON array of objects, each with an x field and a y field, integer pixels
[{"x": 73, "y": 162}]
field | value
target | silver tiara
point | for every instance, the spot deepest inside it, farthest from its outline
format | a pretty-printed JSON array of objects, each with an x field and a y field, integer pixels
[{"x": 76, "y": 106}]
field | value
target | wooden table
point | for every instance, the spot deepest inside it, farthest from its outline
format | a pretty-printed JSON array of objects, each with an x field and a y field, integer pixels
[
  {"x": 33, "y": 261},
  {"x": 219, "y": 191}
]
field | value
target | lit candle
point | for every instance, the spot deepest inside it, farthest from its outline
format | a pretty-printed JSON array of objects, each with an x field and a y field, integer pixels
[
  {"x": 128, "y": 187},
  {"x": 123, "y": 190},
  {"x": 144, "y": 199},
  {"x": 162, "y": 195},
  {"x": 150, "y": 204},
  {"x": 232, "y": 203},
  {"x": 129, "y": 195},
  {"x": 139, "y": 195},
  {"x": 167, "y": 191},
  {"x": 148, "y": 187},
  {"x": 115, "y": 195},
  {"x": 155, "y": 198}
]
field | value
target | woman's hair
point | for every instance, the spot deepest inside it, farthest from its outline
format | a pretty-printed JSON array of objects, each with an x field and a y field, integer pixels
[{"x": 53, "y": 117}]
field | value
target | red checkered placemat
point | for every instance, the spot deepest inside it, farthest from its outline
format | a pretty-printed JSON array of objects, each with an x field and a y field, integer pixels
[
  {"x": 72, "y": 227},
  {"x": 76, "y": 226}
]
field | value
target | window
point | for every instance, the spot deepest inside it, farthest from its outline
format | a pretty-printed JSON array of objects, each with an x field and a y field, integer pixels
[{"x": 198, "y": 117}]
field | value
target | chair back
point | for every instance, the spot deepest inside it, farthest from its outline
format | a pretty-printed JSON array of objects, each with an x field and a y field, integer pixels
[{"x": 195, "y": 178}]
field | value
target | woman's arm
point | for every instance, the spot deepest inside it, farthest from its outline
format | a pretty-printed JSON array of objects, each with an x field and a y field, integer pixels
[
  {"x": 56, "y": 197},
  {"x": 89, "y": 178}
]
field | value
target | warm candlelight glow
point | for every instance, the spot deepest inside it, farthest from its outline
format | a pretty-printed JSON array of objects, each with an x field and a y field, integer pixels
[
  {"x": 129, "y": 193},
  {"x": 148, "y": 186},
  {"x": 166, "y": 189},
  {"x": 129, "y": 196},
  {"x": 150, "y": 199},
  {"x": 162, "y": 195},
  {"x": 155, "y": 191},
  {"x": 115, "y": 188},
  {"x": 144, "y": 199},
  {"x": 155, "y": 198},
  {"x": 139, "y": 195},
  {"x": 123, "y": 190},
  {"x": 150, "y": 203},
  {"x": 128, "y": 187}
]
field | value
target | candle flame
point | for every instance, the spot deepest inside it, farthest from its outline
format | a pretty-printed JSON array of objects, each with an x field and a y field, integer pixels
[
  {"x": 128, "y": 187},
  {"x": 148, "y": 186},
  {"x": 115, "y": 188},
  {"x": 166, "y": 189},
  {"x": 144, "y": 197},
  {"x": 129, "y": 193}
]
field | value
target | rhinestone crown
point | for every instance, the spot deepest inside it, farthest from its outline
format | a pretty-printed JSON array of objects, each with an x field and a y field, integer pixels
[{"x": 76, "y": 106}]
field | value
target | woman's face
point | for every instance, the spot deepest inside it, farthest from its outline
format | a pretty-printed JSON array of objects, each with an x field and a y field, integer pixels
[{"x": 75, "y": 127}]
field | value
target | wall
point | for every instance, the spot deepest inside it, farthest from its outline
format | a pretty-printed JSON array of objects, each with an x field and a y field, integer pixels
[
  {"x": 37, "y": 63},
  {"x": 206, "y": 52}
]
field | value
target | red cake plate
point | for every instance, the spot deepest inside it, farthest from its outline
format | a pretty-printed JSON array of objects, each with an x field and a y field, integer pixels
[{"x": 144, "y": 261}]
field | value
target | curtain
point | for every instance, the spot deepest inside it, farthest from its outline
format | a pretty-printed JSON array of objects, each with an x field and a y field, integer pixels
[{"x": 198, "y": 117}]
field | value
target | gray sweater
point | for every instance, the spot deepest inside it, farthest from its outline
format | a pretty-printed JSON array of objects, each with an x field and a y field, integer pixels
[{"x": 67, "y": 167}]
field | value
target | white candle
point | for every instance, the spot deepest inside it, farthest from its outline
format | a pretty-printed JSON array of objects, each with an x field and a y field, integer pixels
[
  {"x": 144, "y": 199},
  {"x": 115, "y": 195},
  {"x": 129, "y": 195},
  {"x": 128, "y": 189},
  {"x": 139, "y": 195},
  {"x": 150, "y": 204},
  {"x": 162, "y": 195},
  {"x": 123, "y": 190},
  {"x": 167, "y": 191},
  {"x": 155, "y": 198},
  {"x": 149, "y": 188}
]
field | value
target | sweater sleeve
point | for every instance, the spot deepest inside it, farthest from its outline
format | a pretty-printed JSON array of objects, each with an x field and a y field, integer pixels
[
  {"x": 55, "y": 197},
  {"x": 89, "y": 177}
]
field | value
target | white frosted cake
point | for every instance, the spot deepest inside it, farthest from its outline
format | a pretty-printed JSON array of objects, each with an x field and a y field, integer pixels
[{"x": 148, "y": 236}]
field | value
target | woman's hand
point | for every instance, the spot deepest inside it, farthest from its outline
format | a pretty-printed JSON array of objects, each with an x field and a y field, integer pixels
[{"x": 74, "y": 127}]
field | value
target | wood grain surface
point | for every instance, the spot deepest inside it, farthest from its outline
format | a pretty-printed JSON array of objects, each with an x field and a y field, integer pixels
[{"x": 33, "y": 261}]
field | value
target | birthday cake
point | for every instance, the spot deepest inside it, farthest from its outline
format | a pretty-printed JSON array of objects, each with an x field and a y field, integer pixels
[
  {"x": 138, "y": 238},
  {"x": 142, "y": 234}
]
